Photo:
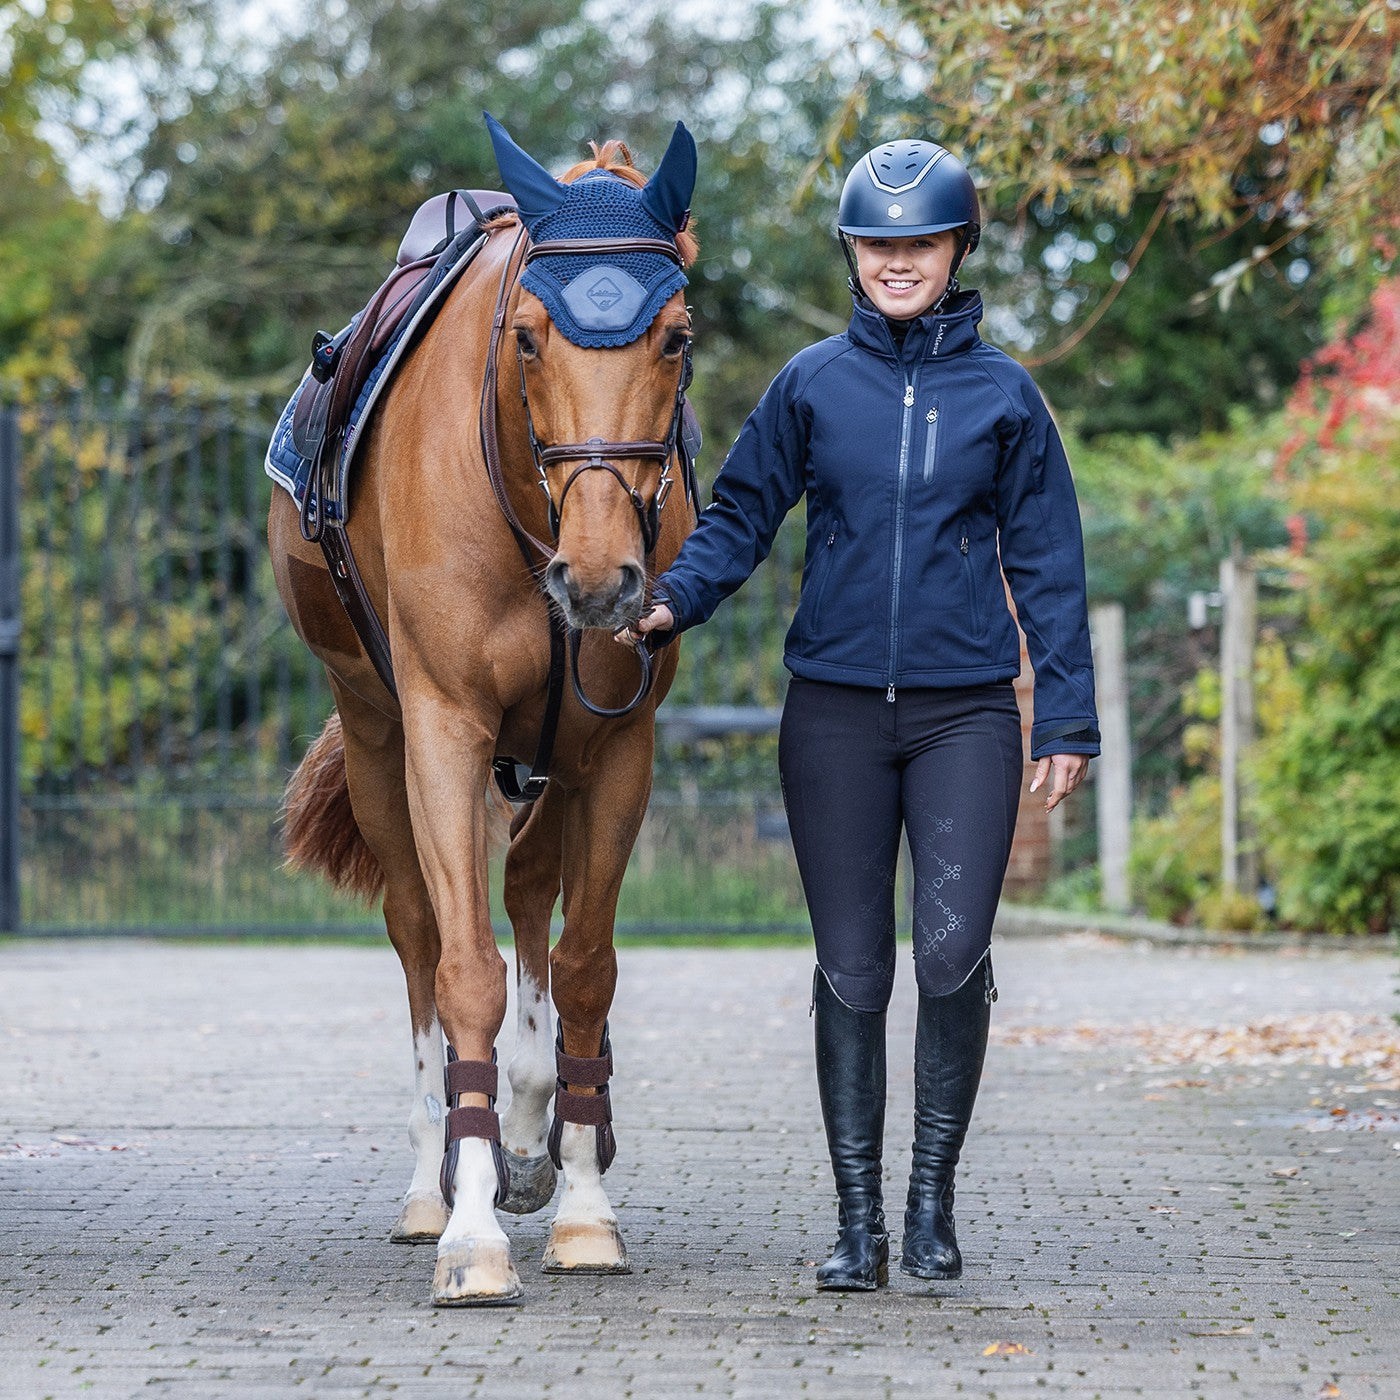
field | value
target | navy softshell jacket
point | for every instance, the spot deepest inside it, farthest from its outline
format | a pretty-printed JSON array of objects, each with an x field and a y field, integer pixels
[{"x": 915, "y": 460}]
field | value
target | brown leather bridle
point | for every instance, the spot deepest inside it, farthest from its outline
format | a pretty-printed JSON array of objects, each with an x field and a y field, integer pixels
[
  {"x": 597, "y": 454},
  {"x": 593, "y": 455}
]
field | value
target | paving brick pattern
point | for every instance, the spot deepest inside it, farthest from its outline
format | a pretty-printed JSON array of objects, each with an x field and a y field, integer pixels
[{"x": 201, "y": 1150}]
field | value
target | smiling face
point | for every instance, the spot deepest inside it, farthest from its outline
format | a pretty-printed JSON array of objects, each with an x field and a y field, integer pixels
[{"x": 905, "y": 276}]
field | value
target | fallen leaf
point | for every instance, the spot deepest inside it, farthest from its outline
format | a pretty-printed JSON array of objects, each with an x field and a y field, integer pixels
[
  {"x": 1007, "y": 1349},
  {"x": 1330, "y": 1391},
  {"x": 1164, "y": 1210},
  {"x": 1284, "y": 1171}
]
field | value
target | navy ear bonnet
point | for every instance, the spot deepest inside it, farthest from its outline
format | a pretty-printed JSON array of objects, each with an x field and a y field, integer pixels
[{"x": 600, "y": 299}]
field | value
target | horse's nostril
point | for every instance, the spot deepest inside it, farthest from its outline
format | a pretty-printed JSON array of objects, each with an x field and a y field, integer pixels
[{"x": 630, "y": 588}]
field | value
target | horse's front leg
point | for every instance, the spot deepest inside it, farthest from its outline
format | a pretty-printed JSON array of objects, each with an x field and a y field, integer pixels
[
  {"x": 599, "y": 831},
  {"x": 531, "y": 889},
  {"x": 448, "y": 758}
]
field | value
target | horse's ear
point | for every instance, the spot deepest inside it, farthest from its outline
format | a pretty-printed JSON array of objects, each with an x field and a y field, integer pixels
[
  {"x": 667, "y": 194},
  {"x": 536, "y": 191}
]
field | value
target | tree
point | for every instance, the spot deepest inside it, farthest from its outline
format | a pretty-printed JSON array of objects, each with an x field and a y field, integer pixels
[{"x": 1262, "y": 120}]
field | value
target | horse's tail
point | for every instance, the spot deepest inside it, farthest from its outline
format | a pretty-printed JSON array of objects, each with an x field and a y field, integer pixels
[{"x": 321, "y": 833}]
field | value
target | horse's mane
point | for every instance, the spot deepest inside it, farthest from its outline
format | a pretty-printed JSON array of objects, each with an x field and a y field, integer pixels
[{"x": 616, "y": 159}]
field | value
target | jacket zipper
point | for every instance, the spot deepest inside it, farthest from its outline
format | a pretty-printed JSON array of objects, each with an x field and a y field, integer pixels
[
  {"x": 970, "y": 580},
  {"x": 931, "y": 445},
  {"x": 823, "y": 563},
  {"x": 904, "y": 427}
]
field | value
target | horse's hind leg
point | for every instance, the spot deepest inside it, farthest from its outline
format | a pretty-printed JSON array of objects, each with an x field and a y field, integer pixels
[
  {"x": 374, "y": 762},
  {"x": 531, "y": 889}
]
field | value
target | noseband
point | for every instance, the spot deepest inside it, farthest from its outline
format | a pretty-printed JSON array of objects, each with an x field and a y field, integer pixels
[{"x": 596, "y": 454}]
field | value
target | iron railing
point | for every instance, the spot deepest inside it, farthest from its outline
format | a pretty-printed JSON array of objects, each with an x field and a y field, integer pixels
[{"x": 159, "y": 698}]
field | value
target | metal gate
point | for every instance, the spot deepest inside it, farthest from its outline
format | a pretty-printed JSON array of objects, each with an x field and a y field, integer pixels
[{"x": 154, "y": 699}]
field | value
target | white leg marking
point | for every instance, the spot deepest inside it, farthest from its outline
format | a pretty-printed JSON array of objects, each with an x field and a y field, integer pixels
[
  {"x": 473, "y": 1259},
  {"x": 429, "y": 1108},
  {"x": 423, "y": 1214},
  {"x": 525, "y": 1123},
  {"x": 474, "y": 1186},
  {"x": 584, "y": 1201},
  {"x": 584, "y": 1238}
]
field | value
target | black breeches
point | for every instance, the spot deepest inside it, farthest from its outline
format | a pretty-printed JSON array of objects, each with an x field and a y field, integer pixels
[{"x": 943, "y": 765}]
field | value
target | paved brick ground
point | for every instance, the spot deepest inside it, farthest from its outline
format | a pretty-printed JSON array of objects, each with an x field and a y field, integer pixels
[{"x": 201, "y": 1153}]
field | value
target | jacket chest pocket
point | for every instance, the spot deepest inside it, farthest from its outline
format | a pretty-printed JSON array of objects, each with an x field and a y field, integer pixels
[{"x": 931, "y": 444}]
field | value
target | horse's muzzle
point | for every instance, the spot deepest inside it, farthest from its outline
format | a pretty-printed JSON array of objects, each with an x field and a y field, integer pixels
[{"x": 610, "y": 604}]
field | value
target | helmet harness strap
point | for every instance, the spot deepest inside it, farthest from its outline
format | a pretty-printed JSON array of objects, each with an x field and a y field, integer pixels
[{"x": 951, "y": 290}]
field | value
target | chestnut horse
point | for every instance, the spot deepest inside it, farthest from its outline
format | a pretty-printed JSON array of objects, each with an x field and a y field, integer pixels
[{"x": 395, "y": 794}]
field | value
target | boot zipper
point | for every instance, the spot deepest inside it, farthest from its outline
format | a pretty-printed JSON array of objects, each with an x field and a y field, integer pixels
[{"x": 905, "y": 423}]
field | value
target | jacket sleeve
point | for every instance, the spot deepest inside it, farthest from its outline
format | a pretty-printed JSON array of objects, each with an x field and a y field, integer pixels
[
  {"x": 762, "y": 478},
  {"x": 1042, "y": 555}
]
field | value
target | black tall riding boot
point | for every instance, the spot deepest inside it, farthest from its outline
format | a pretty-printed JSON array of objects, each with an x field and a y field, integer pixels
[
  {"x": 851, "y": 1083},
  {"x": 949, "y": 1047}
]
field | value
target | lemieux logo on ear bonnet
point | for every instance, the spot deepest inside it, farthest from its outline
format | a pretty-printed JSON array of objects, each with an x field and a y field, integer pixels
[{"x": 594, "y": 299}]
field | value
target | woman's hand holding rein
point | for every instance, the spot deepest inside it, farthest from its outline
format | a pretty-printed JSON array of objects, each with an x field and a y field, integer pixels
[
  {"x": 659, "y": 619},
  {"x": 1070, "y": 769}
]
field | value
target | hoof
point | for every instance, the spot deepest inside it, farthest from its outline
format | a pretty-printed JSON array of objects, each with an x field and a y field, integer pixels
[
  {"x": 475, "y": 1274},
  {"x": 532, "y": 1181},
  {"x": 422, "y": 1219},
  {"x": 585, "y": 1248}
]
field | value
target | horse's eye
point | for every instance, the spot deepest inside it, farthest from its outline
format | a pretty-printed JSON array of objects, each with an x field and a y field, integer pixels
[
  {"x": 677, "y": 338},
  {"x": 526, "y": 342}
]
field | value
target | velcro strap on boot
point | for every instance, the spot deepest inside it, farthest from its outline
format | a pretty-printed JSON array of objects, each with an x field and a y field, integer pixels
[
  {"x": 473, "y": 1122},
  {"x": 591, "y": 1109},
  {"x": 591, "y": 1072},
  {"x": 471, "y": 1077}
]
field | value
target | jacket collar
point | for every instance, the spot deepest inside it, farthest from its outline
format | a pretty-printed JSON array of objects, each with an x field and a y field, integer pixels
[{"x": 954, "y": 332}]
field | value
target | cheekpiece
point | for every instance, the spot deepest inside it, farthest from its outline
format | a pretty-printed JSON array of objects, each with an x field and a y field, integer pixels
[{"x": 602, "y": 299}]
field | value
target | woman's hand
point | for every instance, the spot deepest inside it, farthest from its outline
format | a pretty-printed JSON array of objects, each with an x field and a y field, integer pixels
[
  {"x": 1070, "y": 769},
  {"x": 659, "y": 619}
]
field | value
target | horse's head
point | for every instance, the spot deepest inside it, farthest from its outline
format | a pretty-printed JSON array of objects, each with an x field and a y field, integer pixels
[{"x": 602, "y": 339}]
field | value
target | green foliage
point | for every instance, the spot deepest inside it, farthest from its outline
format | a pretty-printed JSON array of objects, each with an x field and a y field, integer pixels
[
  {"x": 1283, "y": 112},
  {"x": 1329, "y": 763},
  {"x": 1166, "y": 357},
  {"x": 1158, "y": 518},
  {"x": 1176, "y": 856}
]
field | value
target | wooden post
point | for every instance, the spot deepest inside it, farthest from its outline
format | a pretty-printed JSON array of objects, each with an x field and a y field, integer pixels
[
  {"x": 1113, "y": 778},
  {"x": 1238, "y": 594}
]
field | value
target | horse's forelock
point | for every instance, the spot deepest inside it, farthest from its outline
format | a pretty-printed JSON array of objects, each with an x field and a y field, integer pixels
[{"x": 614, "y": 157}]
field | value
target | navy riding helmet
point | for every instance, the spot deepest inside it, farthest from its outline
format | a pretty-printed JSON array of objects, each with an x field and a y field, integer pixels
[{"x": 904, "y": 188}]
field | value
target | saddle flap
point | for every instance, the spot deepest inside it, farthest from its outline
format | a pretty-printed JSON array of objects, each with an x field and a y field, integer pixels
[{"x": 309, "y": 417}]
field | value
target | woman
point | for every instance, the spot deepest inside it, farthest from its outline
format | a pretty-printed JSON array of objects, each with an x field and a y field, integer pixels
[{"x": 929, "y": 465}]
